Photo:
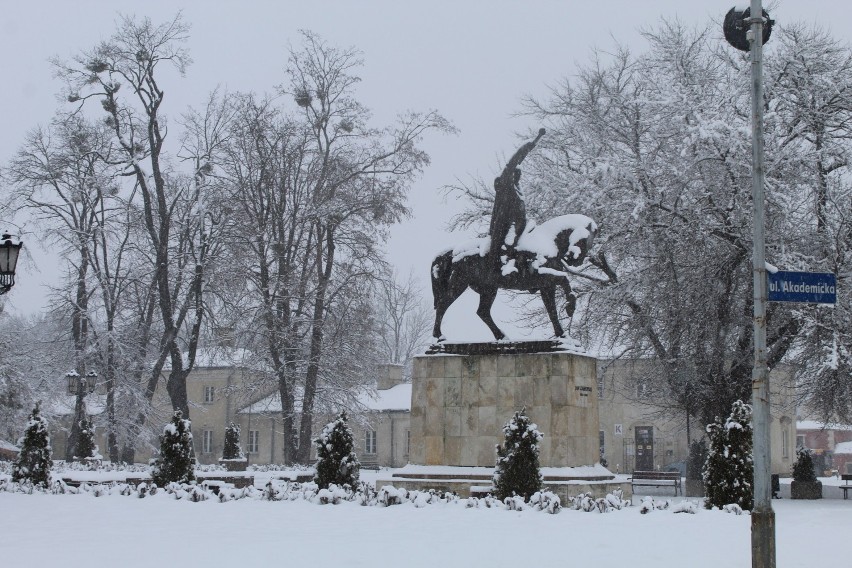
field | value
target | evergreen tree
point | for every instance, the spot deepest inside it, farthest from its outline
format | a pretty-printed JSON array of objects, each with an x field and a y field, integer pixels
[
  {"x": 175, "y": 462},
  {"x": 34, "y": 463},
  {"x": 517, "y": 471},
  {"x": 697, "y": 457},
  {"x": 232, "y": 450},
  {"x": 86, "y": 447},
  {"x": 728, "y": 473},
  {"x": 336, "y": 459},
  {"x": 803, "y": 469}
]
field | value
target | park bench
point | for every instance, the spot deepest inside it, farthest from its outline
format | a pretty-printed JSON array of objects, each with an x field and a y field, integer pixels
[
  {"x": 846, "y": 478},
  {"x": 657, "y": 479}
]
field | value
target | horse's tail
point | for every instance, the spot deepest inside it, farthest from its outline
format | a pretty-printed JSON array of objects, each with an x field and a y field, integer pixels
[{"x": 441, "y": 269}]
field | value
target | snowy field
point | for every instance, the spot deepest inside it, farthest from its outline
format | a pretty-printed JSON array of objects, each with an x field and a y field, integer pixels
[{"x": 43, "y": 530}]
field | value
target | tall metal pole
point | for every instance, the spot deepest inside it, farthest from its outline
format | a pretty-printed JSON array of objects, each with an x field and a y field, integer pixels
[{"x": 762, "y": 517}]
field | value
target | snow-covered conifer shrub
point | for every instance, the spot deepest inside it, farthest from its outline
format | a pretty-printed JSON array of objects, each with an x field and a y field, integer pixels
[
  {"x": 803, "y": 469},
  {"x": 86, "y": 447},
  {"x": 34, "y": 462},
  {"x": 232, "y": 450},
  {"x": 697, "y": 457},
  {"x": 175, "y": 461},
  {"x": 728, "y": 472},
  {"x": 336, "y": 459},
  {"x": 517, "y": 471}
]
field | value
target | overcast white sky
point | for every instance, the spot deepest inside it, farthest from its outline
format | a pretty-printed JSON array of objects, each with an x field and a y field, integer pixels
[{"x": 470, "y": 59}]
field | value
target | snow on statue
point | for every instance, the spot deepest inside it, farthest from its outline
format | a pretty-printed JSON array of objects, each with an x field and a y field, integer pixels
[{"x": 536, "y": 260}]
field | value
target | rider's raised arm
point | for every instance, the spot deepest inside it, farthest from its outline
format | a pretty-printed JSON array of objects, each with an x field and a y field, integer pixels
[{"x": 521, "y": 154}]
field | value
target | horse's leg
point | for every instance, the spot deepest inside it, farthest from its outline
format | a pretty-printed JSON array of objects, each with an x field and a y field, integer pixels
[
  {"x": 486, "y": 300},
  {"x": 455, "y": 289},
  {"x": 548, "y": 296},
  {"x": 570, "y": 298}
]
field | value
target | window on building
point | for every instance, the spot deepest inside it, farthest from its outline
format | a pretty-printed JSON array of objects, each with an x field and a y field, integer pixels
[
  {"x": 253, "y": 441},
  {"x": 601, "y": 386},
  {"x": 369, "y": 442},
  {"x": 602, "y": 441},
  {"x": 642, "y": 389},
  {"x": 800, "y": 440},
  {"x": 785, "y": 443},
  {"x": 407, "y": 442},
  {"x": 209, "y": 394},
  {"x": 207, "y": 442}
]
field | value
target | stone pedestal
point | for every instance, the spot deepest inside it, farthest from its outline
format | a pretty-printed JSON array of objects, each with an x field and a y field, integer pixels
[{"x": 461, "y": 402}]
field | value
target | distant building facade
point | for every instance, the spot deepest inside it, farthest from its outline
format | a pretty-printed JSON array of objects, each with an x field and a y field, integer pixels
[{"x": 639, "y": 432}]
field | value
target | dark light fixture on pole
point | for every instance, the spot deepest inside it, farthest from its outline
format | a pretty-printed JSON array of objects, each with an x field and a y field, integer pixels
[{"x": 8, "y": 261}]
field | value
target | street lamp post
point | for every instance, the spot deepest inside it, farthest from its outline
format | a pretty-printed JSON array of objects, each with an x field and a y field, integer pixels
[
  {"x": 9, "y": 252},
  {"x": 763, "y": 517}
]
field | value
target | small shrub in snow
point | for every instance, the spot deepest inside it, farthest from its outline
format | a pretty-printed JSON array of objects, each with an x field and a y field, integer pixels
[
  {"x": 34, "y": 462},
  {"x": 197, "y": 493},
  {"x": 336, "y": 460},
  {"x": 232, "y": 450},
  {"x": 546, "y": 501},
  {"x": 514, "y": 503},
  {"x": 648, "y": 505},
  {"x": 175, "y": 462},
  {"x": 690, "y": 507},
  {"x": 732, "y": 508},
  {"x": 803, "y": 469},
  {"x": 517, "y": 470},
  {"x": 390, "y": 495},
  {"x": 728, "y": 473}
]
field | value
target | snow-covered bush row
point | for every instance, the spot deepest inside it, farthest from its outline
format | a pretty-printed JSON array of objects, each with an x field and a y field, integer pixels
[
  {"x": 264, "y": 467},
  {"x": 612, "y": 502}
]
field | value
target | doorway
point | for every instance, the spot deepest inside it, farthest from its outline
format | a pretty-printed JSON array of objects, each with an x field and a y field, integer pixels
[{"x": 644, "y": 448}]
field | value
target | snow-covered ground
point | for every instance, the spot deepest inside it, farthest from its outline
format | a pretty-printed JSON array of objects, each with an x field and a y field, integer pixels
[{"x": 43, "y": 530}]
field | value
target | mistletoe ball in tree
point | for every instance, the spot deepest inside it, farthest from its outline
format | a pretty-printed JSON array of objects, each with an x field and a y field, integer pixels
[
  {"x": 336, "y": 459},
  {"x": 517, "y": 471},
  {"x": 34, "y": 462}
]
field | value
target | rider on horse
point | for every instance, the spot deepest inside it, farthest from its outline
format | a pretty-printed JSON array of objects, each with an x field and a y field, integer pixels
[{"x": 509, "y": 206}]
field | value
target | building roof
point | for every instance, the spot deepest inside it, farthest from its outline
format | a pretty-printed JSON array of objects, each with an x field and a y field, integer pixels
[
  {"x": 395, "y": 398},
  {"x": 816, "y": 425},
  {"x": 216, "y": 357},
  {"x": 4, "y": 445}
]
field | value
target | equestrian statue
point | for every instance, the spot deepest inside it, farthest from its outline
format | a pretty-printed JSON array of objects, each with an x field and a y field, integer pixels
[{"x": 514, "y": 256}]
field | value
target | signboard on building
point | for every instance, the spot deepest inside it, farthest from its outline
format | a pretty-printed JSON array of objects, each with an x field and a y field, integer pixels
[
  {"x": 619, "y": 431},
  {"x": 802, "y": 287}
]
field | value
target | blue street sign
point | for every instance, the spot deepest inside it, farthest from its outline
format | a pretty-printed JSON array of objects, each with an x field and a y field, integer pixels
[{"x": 804, "y": 287}]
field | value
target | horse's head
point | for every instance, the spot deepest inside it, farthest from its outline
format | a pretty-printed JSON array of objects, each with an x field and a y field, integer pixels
[
  {"x": 574, "y": 243},
  {"x": 562, "y": 240}
]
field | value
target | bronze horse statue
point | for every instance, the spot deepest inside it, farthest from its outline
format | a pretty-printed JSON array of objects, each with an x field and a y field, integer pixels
[{"x": 538, "y": 265}]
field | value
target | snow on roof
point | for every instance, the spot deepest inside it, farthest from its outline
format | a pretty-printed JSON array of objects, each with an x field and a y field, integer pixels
[
  {"x": 395, "y": 398},
  {"x": 4, "y": 445},
  {"x": 207, "y": 357},
  {"x": 843, "y": 448},
  {"x": 816, "y": 425}
]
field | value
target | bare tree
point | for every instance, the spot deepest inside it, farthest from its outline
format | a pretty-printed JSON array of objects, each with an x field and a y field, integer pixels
[
  {"x": 404, "y": 321},
  {"x": 123, "y": 74}
]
